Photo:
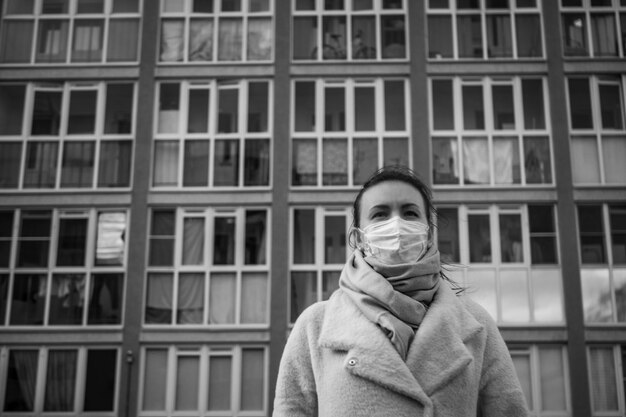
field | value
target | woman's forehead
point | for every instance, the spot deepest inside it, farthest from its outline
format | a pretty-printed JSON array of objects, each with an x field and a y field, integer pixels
[{"x": 392, "y": 192}]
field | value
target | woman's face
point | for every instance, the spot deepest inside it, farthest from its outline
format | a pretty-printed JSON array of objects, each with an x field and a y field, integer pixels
[{"x": 392, "y": 198}]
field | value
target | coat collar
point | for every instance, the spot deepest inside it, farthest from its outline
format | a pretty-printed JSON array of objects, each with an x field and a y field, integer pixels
[{"x": 437, "y": 353}]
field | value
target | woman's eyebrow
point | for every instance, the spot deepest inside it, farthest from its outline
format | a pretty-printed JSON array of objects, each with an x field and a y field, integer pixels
[{"x": 379, "y": 207}]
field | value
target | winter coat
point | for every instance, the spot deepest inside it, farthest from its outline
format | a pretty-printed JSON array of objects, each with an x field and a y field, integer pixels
[{"x": 338, "y": 363}]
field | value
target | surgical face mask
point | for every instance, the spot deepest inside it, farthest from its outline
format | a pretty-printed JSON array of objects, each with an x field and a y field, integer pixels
[{"x": 395, "y": 241}]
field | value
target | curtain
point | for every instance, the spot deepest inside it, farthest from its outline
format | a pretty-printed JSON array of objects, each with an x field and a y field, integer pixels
[
  {"x": 335, "y": 162},
  {"x": 603, "y": 34},
  {"x": 78, "y": 164},
  {"x": 475, "y": 161},
  {"x": 614, "y": 155},
  {"x": 469, "y": 37},
  {"x": 190, "y": 298},
  {"x": 17, "y": 41},
  {"x": 172, "y": 40},
  {"x": 252, "y": 371},
  {"x": 41, "y": 161},
  {"x": 365, "y": 159},
  {"x": 259, "y": 39},
  {"x": 52, "y": 43},
  {"x": 159, "y": 299},
  {"x": 24, "y": 363},
  {"x": 123, "y": 40},
  {"x": 499, "y": 36},
  {"x": 220, "y": 383},
  {"x": 201, "y": 40},
  {"x": 230, "y": 40},
  {"x": 165, "y": 163},
  {"x": 603, "y": 380},
  {"x": 304, "y": 162},
  {"x": 445, "y": 161},
  {"x": 552, "y": 379},
  {"x": 111, "y": 236},
  {"x": 87, "y": 41},
  {"x": 506, "y": 161},
  {"x": 193, "y": 241},
  {"x": 585, "y": 159},
  {"x": 222, "y": 300},
  {"x": 60, "y": 380}
]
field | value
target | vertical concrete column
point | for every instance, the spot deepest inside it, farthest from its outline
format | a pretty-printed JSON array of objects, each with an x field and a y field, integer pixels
[
  {"x": 568, "y": 238},
  {"x": 137, "y": 236},
  {"x": 279, "y": 272}
]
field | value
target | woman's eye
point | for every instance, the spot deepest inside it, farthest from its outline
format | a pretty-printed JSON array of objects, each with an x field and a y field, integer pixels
[
  {"x": 411, "y": 213},
  {"x": 378, "y": 214}
]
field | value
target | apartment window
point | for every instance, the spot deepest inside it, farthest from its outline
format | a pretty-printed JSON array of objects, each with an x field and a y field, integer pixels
[
  {"x": 484, "y": 29},
  {"x": 204, "y": 380},
  {"x": 213, "y": 134},
  {"x": 318, "y": 252},
  {"x": 598, "y": 129},
  {"x": 606, "y": 379},
  {"x": 593, "y": 28},
  {"x": 208, "y": 267},
  {"x": 62, "y": 267},
  {"x": 67, "y": 136},
  {"x": 216, "y": 31},
  {"x": 490, "y": 132},
  {"x": 353, "y": 30},
  {"x": 60, "y": 379},
  {"x": 344, "y": 130},
  {"x": 511, "y": 256},
  {"x": 543, "y": 374},
  {"x": 602, "y": 234},
  {"x": 71, "y": 31}
]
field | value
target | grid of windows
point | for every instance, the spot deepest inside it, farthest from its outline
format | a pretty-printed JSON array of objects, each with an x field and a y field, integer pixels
[
  {"x": 607, "y": 370},
  {"x": 490, "y": 131},
  {"x": 602, "y": 232},
  {"x": 318, "y": 253},
  {"x": 511, "y": 256},
  {"x": 69, "y": 31},
  {"x": 598, "y": 129},
  {"x": 543, "y": 374},
  {"x": 484, "y": 29},
  {"x": 352, "y": 30},
  {"x": 216, "y": 31},
  {"x": 204, "y": 381},
  {"x": 62, "y": 267},
  {"x": 208, "y": 266},
  {"x": 594, "y": 28},
  {"x": 213, "y": 134},
  {"x": 70, "y": 135},
  {"x": 74, "y": 381},
  {"x": 344, "y": 130}
]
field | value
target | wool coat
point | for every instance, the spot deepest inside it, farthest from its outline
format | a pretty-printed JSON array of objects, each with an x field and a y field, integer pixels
[{"x": 338, "y": 363}]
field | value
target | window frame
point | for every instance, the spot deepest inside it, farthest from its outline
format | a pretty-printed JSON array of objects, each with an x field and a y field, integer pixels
[{"x": 619, "y": 379}]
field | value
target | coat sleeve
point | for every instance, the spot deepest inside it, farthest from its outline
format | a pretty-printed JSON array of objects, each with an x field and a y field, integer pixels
[
  {"x": 296, "y": 393},
  {"x": 500, "y": 390}
]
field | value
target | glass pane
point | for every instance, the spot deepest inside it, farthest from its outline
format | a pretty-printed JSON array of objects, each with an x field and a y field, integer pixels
[
  {"x": 54, "y": 6},
  {"x": 506, "y": 163},
  {"x": 169, "y": 107},
  {"x": 480, "y": 244},
  {"x": 123, "y": 40},
  {"x": 552, "y": 379},
  {"x": 528, "y": 31},
  {"x": 110, "y": 243},
  {"x": 475, "y": 165},
  {"x": 305, "y": 38},
  {"x": 105, "y": 299},
  {"x": 155, "y": 380},
  {"x": 448, "y": 234},
  {"x": 617, "y": 215},
  {"x": 72, "y": 242},
  {"x": 393, "y": 37},
  {"x": 365, "y": 162},
  {"x": 396, "y": 151},
  {"x": 335, "y": 109},
  {"x": 514, "y": 296},
  {"x": 259, "y": 5},
  {"x": 220, "y": 383},
  {"x": 330, "y": 283},
  {"x": 259, "y": 39},
  {"x": 77, "y": 166},
  {"x": 173, "y": 6},
  {"x": 224, "y": 241},
  {"x": 28, "y": 299},
  {"x": 222, "y": 298},
  {"x": 198, "y": 118},
  {"x": 547, "y": 296},
  {"x": 580, "y": 103},
  {"x": 255, "y": 239},
  {"x": 499, "y": 38},
  {"x": 542, "y": 235},
  {"x": 187, "y": 381},
  {"x": 334, "y": 5},
  {"x": 162, "y": 238},
  {"x": 125, "y": 6},
  {"x": 591, "y": 234},
  {"x": 604, "y": 388},
  {"x": 46, "y": 113},
  {"x": 88, "y": 36},
  {"x": 503, "y": 110},
  {"x": 10, "y": 161},
  {"x": 193, "y": 241},
  {"x": 443, "y": 105},
  {"x": 304, "y": 165},
  {"x": 12, "y": 105},
  {"x": 52, "y": 41},
  {"x": 335, "y": 162},
  {"x": 439, "y": 37},
  {"x": 473, "y": 113},
  {"x": 532, "y": 96},
  {"x": 100, "y": 384},
  {"x": 305, "y": 106},
  {"x": 252, "y": 379},
  {"x": 21, "y": 380},
  {"x": 256, "y": 162},
  {"x": 596, "y": 295},
  {"x": 165, "y": 163},
  {"x": 201, "y": 39},
  {"x": 469, "y": 36},
  {"x": 619, "y": 279},
  {"x": 228, "y": 117},
  {"x": 4, "y": 292},
  {"x": 60, "y": 380},
  {"x": 394, "y": 106},
  {"x": 230, "y": 40},
  {"x": 305, "y": 5},
  {"x": 196, "y": 163},
  {"x": 19, "y": 7},
  {"x": 254, "y": 298},
  {"x": 334, "y": 37},
  {"x": 574, "y": 34},
  {"x": 611, "y": 106},
  {"x": 303, "y": 292},
  {"x": 364, "y": 109},
  {"x": 17, "y": 41},
  {"x": 521, "y": 362},
  {"x": 585, "y": 162},
  {"x": 482, "y": 286},
  {"x": 614, "y": 155},
  {"x": 445, "y": 161},
  {"x": 231, "y": 5},
  {"x": 34, "y": 242},
  {"x": 258, "y": 104},
  {"x": 172, "y": 40},
  {"x": 303, "y": 236},
  {"x": 335, "y": 239},
  {"x": 202, "y": 6},
  {"x": 119, "y": 109},
  {"x": 159, "y": 296},
  {"x": 511, "y": 238},
  {"x": 364, "y": 37},
  {"x": 226, "y": 163},
  {"x": 604, "y": 35},
  {"x": 114, "y": 164},
  {"x": 438, "y": 4}
]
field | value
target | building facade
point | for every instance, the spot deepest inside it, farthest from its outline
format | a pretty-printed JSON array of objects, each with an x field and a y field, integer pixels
[{"x": 176, "y": 179}]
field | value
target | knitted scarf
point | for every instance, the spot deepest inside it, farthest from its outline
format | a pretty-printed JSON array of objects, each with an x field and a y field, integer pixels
[{"x": 395, "y": 297}]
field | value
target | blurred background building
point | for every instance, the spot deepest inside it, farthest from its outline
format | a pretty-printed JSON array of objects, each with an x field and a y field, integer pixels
[{"x": 176, "y": 179}]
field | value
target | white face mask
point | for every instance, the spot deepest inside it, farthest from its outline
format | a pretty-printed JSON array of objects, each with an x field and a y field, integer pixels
[{"x": 395, "y": 241}]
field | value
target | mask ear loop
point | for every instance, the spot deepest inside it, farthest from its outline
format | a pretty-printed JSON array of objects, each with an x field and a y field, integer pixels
[{"x": 355, "y": 238}]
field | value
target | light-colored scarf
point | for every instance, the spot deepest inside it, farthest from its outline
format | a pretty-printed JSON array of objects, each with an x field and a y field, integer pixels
[{"x": 395, "y": 297}]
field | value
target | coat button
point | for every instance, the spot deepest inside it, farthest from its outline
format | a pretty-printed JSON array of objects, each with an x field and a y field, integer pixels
[{"x": 352, "y": 361}]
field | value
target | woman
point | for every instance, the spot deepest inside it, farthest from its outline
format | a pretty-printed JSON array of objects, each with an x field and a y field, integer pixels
[{"x": 395, "y": 340}]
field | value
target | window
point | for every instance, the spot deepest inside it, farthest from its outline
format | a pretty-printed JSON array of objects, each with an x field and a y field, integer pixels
[
  {"x": 223, "y": 140},
  {"x": 594, "y": 28},
  {"x": 318, "y": 253},
  {"x": 204, "y": 380},
  {"x": 216, "y": 31},
  {"x": 598, "y": 129},
  {"x": 59, "y": 379},
  {"x": 208, "y": 267},
  {"x": 602, "y": 234},
  {"x": 543, "y": 374},
  {"x": 490, "y": 132},
  {"x": 606, "y": 379},
  {"x": 62, "y": 267},
  {"x": 511, "y": 256},
  {"x": 71, "y": 31},
  {"x": 484, "y": 29},
  {"x": 354, "y": 30},
  {"x": 63, "y": 139},
  {"x": 332, "y": 146}
]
